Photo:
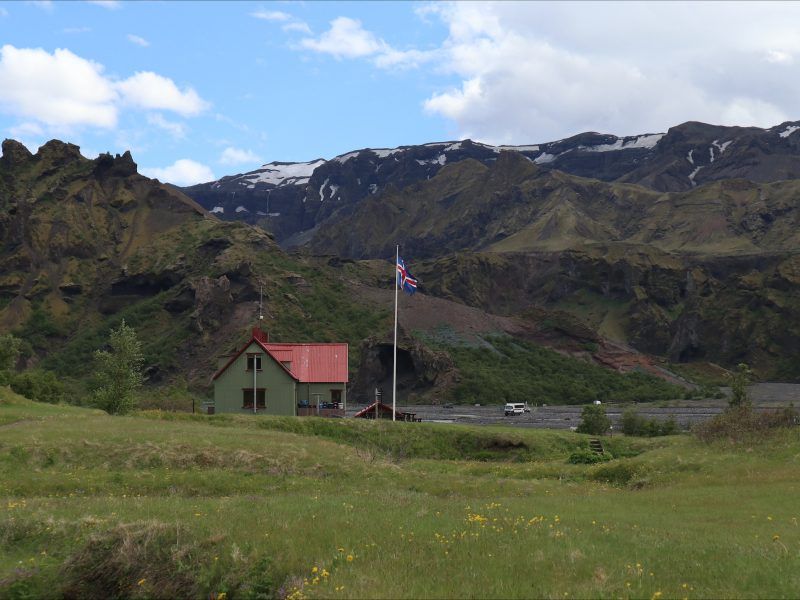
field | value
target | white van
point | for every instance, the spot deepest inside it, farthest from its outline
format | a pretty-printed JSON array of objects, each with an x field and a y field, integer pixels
[{"x": 516, "y": 408}]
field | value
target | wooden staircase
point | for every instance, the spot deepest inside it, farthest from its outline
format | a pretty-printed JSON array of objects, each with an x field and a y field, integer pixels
[{"x": 596, "y": 446}]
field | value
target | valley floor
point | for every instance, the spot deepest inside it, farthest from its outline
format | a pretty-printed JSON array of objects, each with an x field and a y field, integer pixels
[
  {"x": 686, "y": 413},
  {"x": 177, "y": 505}
]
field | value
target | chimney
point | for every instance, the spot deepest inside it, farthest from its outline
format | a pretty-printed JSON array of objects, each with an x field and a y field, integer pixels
[{"x": 261, "y": 336}]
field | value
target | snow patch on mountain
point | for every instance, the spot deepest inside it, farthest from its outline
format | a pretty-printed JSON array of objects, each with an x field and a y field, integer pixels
[
  {"x": 384, "y": 152},
  {"x": 441, "y": 159},
  {"x": 240, "y": 209},
  {"x": 217, "y": 210},
  {"x": 283, "y": 173},
  {"x": 788, "y": 131},
  {"x": 689, "y": 156},
  {"x": 321, "y": 188},
  {"x": 648, "y": 141},
  {"x": 544, "y": 158},
  {"x": 723, "y": 146},
  {"x": 517, "y": 148},
  {"x": 692, "y": 175}
]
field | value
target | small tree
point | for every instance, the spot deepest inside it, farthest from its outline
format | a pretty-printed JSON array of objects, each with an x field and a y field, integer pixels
[
  {"x": 594, "y": 420},
  {"x": 119, "y": 371},
  {"x": 739, "y": 381},
  {"x": 9, "y": 351}
]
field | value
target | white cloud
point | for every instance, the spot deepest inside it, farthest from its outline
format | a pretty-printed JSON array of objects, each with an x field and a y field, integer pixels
[
  {"x": 298, "y": 26},
  {"x": 45, "y": 5},
  {"x": 270, "y": 15},
  {"x": 139, "y": 41},
  {"x": 182, "y": 172},
  {"x": 237, "y": 156},
  {"x": 59, "y": 89},
  {"x": 176, "y": 130},
  {"x": 109, "y": 4},
  {"x": 533, "y": 72},
  {"x": 346, "y": 38},
  {"x": 63, "y": 90},
  {"x": 779, "y": 57},
  {"x": 152, "y": 91},
  {"x": 26, "y": 129}
]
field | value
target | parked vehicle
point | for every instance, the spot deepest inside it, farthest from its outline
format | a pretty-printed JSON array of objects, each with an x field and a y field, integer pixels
[{"x": 516, "y": 408}]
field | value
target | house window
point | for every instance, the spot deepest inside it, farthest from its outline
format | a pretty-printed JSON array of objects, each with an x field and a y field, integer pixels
[
  {"x": 253, "y": 358},
  {"x": 247, "y": 398}
]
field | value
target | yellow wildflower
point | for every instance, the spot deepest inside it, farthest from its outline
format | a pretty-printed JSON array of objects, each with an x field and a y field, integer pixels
[
  {"x": 349, "y": 558},
  {"x": 141, "y": 581}
]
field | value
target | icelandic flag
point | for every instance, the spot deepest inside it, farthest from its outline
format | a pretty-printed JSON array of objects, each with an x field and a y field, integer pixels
[{"x": 405, "y": 279}]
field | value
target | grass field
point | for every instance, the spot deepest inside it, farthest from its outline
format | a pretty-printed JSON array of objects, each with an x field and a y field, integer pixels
[{"x": 175, "y": 505}]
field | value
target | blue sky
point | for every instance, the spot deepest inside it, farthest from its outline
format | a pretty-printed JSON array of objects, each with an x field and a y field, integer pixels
[{"x": 201, "y": 90}]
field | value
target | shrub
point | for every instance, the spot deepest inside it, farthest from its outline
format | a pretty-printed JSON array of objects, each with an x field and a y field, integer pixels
[
  {"x": 587, "y": 457},
  {"x": 119, "y": 371},
  {"x": 743, "y": 424},
  {"x": 9, "y": 351},
  {"x": 618, "y": 472},
  {"x": 41, "y": 386},
  {"x": 739, "y": 380},
  {"x": 635, "y": 424},
  {"x": 594, "y": 420}
]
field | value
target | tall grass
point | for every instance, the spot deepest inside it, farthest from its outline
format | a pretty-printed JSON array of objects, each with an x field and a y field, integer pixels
[{"x": 93, "y": 505}]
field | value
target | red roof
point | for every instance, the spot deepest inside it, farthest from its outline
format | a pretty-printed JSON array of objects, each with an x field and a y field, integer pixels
[
  {"x": 313, "y": 363},
  {"x": 307, "y": 363}
]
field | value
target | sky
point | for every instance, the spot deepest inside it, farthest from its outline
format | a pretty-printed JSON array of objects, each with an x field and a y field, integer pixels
[{"x": 199, "y": 90}]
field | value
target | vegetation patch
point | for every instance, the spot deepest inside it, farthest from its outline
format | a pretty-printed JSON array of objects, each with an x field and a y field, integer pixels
[{"x": 519, "y": 371}]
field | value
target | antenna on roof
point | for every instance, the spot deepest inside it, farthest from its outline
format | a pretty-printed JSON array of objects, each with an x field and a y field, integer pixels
[{"x": 260, "y": 303}]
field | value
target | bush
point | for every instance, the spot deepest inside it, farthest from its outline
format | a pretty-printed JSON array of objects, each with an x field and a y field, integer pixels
[
  {"x": 594, "y": 420},
  {"x": 739, "y": 380},
  {"x": 634, "y": 424},
  {"x": 743, "y": 424},
  {"x": 41, "y": 386},
  {"x": 587, "y": 457},
  {"x": 119, "y": 371},
  {"x": 9, "y": 351}
]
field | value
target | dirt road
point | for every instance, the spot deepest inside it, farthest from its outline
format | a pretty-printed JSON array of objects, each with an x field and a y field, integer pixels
[{"x": 685, "y": 412}]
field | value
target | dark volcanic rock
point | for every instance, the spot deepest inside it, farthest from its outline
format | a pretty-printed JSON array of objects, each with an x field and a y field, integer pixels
[{"x": 14, "y": 154}]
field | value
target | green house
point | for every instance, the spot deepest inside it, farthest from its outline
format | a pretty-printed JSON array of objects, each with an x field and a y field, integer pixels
[{"x": 282, "y": 379}]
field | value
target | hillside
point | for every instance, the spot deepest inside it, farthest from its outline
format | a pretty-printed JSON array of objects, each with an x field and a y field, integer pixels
[
  {"x": 86, "y": 243},
  {"x": 292, "y": 199},
  {"x": 706, "y": 274},
  {"x": 159, "y": 504},
  {"x": 515, "y": 206}
]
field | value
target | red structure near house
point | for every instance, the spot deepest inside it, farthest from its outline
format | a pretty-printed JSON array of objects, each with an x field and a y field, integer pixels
[{"x": 379, "y": 410}]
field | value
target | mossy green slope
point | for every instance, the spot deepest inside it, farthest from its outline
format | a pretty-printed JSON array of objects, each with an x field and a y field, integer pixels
[{"x": 87, "y": 243}]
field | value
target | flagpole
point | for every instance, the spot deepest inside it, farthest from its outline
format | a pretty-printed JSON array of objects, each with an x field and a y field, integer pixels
[{"x": 394, "y": 368}]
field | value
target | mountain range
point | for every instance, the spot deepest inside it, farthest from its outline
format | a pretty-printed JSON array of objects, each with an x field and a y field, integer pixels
[
  {"x": 292, "y": 199},
  {"x": 659, "y": 250}
]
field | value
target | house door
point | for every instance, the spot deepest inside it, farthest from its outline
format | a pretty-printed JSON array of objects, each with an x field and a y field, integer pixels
[{"x": 336, "y": 398}]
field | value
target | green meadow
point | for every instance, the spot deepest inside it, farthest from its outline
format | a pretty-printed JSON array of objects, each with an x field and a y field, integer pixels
[{"x": 166, "y": 505}]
